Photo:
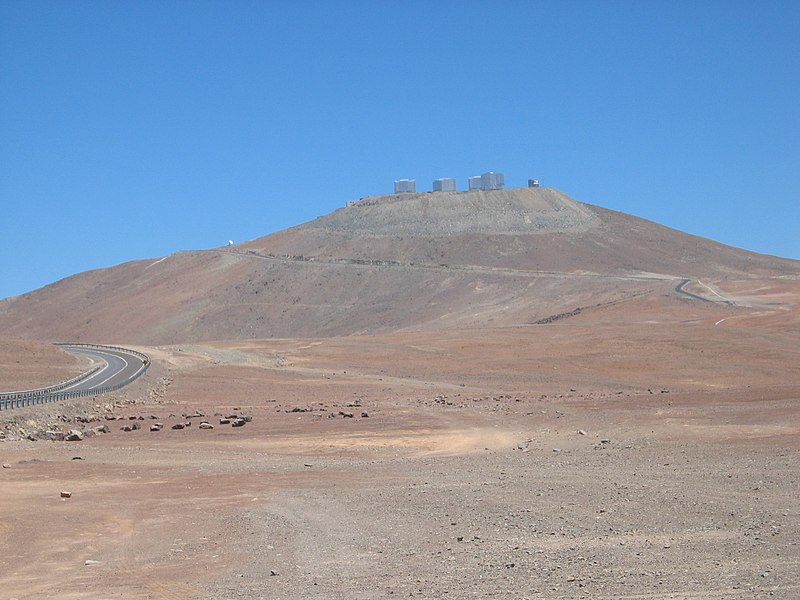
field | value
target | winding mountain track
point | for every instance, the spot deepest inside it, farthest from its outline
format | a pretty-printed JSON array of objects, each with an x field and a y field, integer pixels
[{"x": 680, "y": 289}]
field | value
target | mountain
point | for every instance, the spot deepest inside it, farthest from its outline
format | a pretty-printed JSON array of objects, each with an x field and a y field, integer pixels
[{"x": 407, "y": 261}]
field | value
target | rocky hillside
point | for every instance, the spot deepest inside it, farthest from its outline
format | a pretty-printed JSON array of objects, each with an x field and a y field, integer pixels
[{"x": 431, "y": 260}]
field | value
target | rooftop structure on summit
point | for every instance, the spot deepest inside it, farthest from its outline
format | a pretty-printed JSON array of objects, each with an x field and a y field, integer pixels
[
  {"x": 492, "y": 181},
  {"x": 486, "y": 182},
  {"x": 405, "y": 185},
  {"x": 445, "y": 184}
]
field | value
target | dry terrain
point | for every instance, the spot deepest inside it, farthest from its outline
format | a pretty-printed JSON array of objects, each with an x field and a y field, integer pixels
[
  {"x": 27, "y": 365},
  {"x": 472, "y": 395},
  {"x": 408, "y": 262},
  {"x": 642, "y": 449}
]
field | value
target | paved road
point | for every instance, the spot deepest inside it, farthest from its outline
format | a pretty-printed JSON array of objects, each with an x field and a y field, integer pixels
[
  {"x": 119, "y": 366},
  {"x": 112, "y": 368},
  {"x": 680, "y": 290}
]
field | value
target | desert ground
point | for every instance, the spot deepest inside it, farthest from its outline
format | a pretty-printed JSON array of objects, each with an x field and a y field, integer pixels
[{"x": 644, "y": 449}]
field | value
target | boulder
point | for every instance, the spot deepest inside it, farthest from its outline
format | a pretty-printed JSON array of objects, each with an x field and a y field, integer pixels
[{"x": 73, "y": 435}]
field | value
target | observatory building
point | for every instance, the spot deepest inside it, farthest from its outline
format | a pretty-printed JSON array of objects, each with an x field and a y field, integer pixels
[
  {"x": 405, "y": 185},
  {"x": 446, "y": 184},
  {"x": 492, "y": 181},
  {"x": 487, "y": 181}
]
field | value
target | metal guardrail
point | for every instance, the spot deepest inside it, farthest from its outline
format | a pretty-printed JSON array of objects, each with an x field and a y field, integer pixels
[
  {"x": 43, "y": 398},
  {"x": 50, "y": 389}
]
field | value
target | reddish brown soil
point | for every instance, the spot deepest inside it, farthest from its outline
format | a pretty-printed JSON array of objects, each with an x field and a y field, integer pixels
[
  {"x": 26, "y": 365},
  {"x": 417, "y": 261},
  {"x": 694, "y": 495}
]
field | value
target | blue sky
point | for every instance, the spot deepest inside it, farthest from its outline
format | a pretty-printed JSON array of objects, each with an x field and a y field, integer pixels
[{"x": 134, "y": 129}]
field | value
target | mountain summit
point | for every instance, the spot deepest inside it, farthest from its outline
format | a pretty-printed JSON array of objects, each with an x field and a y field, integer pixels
[
  {"x": 412, "y": 260},
  {"x": 436, "y": 214}
]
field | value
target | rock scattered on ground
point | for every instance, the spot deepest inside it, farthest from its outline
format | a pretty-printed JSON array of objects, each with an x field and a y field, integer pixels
[{"x": 73, "y": 435}]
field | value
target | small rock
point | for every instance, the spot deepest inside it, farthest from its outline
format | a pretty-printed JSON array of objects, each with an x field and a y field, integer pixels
[
  {"x": 364, "y": 414},
  {"x": 272, "y": 573},
  {"x": 523, "y": 445},
  {"x": 581, "y": 432},
  {"x": 556, "y": 449},
  {"x": 73, "y": 435},
  {"x": 156, "y": 427},
  {"x": 90, "y": 562},
  {"x": 238, "y": 423},
  {"x": 77, "y": 458},
  {"x": 206, "y": 426},
  {"x": 178, "y": 426},
  {"x": 6, "y": 466},
  {"x": 224, "y": 421},
  {"x": 66, "y": 494},
  {"x": 346, "y": 415}
]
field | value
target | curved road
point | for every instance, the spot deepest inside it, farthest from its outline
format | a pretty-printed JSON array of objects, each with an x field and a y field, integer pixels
[
  {"x": 112, "y": 368},
  {"x": 722, "y": 300},
  {"x": 120, "y": 366}
]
